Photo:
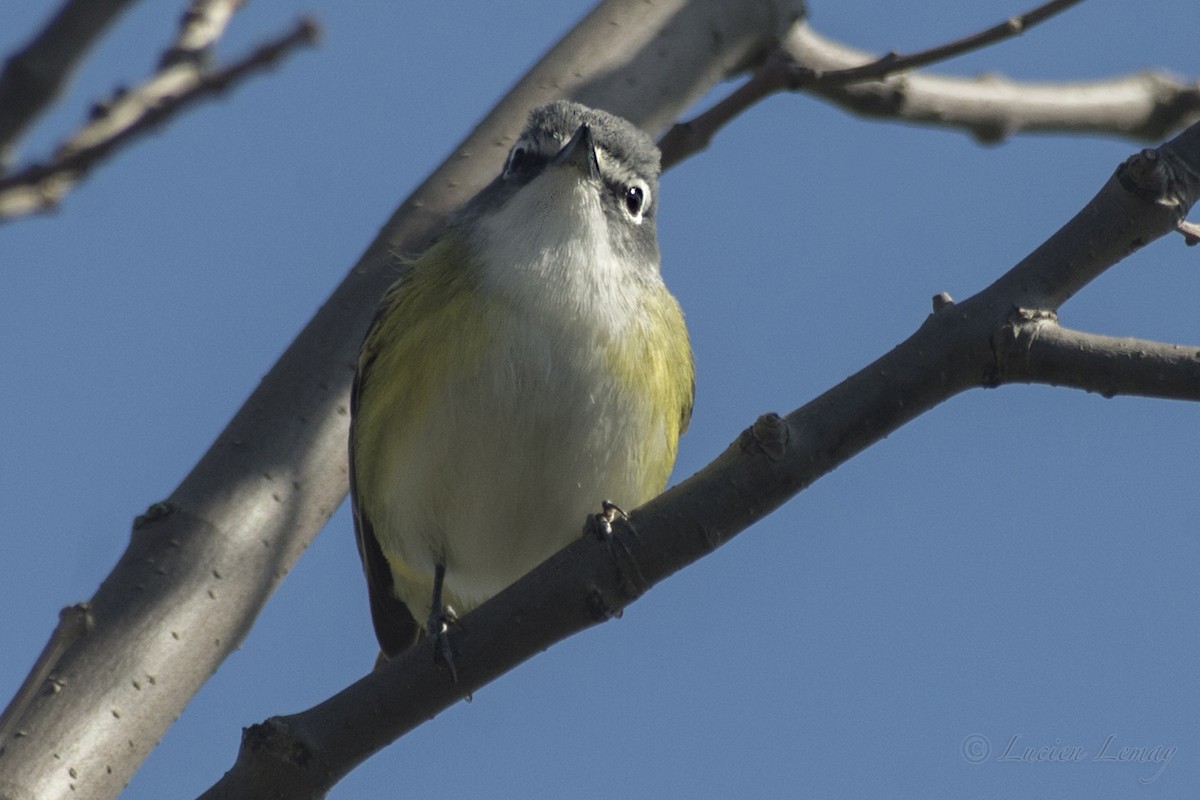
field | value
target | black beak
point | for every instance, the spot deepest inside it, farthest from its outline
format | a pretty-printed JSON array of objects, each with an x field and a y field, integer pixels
[{"x": 580, "y": 153}]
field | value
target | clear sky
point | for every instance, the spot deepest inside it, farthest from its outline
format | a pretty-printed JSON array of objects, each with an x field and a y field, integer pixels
[{"x": 1017, "y": 565}]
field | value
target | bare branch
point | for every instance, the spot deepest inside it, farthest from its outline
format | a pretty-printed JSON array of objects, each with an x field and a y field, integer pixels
[
  {"x": 229, "y": 533},
  {"x": 783, "y": 71},
  {"x": 1073, "y": 257},
  {"x": 685, "y": 139},
  {"x": 247, "y": 510},
  {"x": 34, "y": 77},
  {"x": 954, "y": 350},
  {"x": 1190, "y": 232},
  {"x": 202, "y": 25},
  {"x": 180, "y": 82},
  {"x": 1036, "y": 349},
  {"x": 893, "y": 63},
  {"x": 74, "y": 622},
  {"x": 1146, "y": 106}
]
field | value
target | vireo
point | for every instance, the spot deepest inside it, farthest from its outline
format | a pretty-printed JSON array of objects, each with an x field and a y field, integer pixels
[{"x": 527, "y": 366}]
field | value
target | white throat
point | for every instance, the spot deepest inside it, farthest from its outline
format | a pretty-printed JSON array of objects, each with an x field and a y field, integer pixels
[{"x": 549, "y": 250}]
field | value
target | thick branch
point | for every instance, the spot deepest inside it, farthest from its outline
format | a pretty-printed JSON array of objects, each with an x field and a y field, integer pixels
[
  {"x": 954, "y": 350},
  {"x": 201, "y": 565},
  {"x": 34, "y": 77},
  {"x": 1036, "y": 349},
  {"x": 1075, "y": 256},
  {"x": 74, "y": 622}
]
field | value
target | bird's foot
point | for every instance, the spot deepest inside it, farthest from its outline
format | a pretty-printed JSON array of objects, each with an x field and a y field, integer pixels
[
  {"x": 438, "y": 629},
  {"x": 601, "y": 526}
]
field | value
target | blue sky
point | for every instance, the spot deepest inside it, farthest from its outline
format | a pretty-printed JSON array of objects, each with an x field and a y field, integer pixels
[{"x": 1017, "y": 565}]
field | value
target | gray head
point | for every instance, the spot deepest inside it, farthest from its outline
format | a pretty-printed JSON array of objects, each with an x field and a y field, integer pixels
[
  {"x": 625, "y": 154},
  {"x": 601, "y": 149}
]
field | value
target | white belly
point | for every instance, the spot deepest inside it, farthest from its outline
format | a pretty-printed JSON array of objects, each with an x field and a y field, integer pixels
[{"x": 531, "y": 442}]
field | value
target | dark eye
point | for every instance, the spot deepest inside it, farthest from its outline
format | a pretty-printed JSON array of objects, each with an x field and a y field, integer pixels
[
  {"x": 635, "y": 196},
  {"x": 637, "y": 199}
]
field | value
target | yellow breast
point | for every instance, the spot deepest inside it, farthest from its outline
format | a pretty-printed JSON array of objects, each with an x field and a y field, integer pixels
[{"x": 495, "y": 413}]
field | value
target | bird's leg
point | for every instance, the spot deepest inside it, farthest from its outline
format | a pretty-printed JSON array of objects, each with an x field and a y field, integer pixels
[
  {"x": 601, "y": 526},
  {"x": 440, "y": 619}
]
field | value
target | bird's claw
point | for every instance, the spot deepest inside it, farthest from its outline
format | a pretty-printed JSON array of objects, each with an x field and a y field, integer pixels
[
  {"x": 601, "y": 526},
  {"x": 438, "y": 629}
]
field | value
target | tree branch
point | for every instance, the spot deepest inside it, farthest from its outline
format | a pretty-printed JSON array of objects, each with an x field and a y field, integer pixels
[
  {"x": 587, "y": 582},
  {"x": 892, "y": 63},
  {"x": 74, "y": 622},
  {"x": 219, "y": 546},
  {"x": 180, "y": 82},
  {"x": 1146, "y": 106},
  {"x": 200, "y": 565},
  {"x": 34, "y": 77},
  {"x": 1036, "y": 349}
]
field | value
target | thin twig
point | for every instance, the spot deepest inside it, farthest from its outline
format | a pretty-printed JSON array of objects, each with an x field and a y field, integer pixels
[
  {"x": 687, "y": 138},
  {"x": 892, "y": 63},
  {"x": 202, "y": 25},
  {"x": 34, "y": 76},
  {"x": 178, "y": 84},
  {"x": 781, "y": 72}
]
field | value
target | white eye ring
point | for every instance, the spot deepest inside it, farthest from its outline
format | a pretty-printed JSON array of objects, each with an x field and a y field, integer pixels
[{"x": 636, "y": 199}]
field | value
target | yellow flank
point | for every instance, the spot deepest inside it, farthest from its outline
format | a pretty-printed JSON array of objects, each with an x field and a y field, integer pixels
[
  {"x": 657, "y": 364},
  {"x": 429, "y": 324}
]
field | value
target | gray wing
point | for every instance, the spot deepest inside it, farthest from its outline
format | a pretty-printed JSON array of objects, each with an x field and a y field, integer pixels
[{"x": 395, "y": 627}]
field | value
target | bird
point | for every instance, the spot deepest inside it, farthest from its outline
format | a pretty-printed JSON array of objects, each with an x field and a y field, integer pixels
[{"x": 525, "y": 368}]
